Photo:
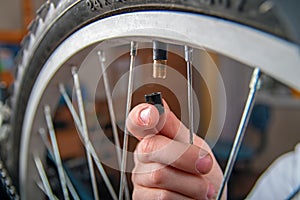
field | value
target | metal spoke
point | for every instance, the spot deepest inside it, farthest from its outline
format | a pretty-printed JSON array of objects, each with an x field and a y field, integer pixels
[
  {"x": 70, "y": 106},
  {"x": 45, "y": 140},
  {"x": 41, "y": 186},
  {"x": 47, "y": 188},
  {"x": 88, "y": 145},
  {"x": 254, "y": 85},
  {"x": 102, "y": 59},
  {"x": 56, "y": 151},
  {"x": 188, "y": 58},
  {"x": 85, "y": 131},
  {"x": 110, "y": 105},
  {"x": 133, "y": 53}
]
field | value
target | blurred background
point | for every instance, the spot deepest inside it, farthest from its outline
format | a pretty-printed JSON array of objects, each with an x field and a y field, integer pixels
[
  {"x": 15, "y": 17},
  {"x": 273, "y": 127}
]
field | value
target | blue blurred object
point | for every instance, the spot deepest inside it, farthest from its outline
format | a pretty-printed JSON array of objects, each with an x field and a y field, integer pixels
[
  {"x": 259, "y": 120},
  {"x": 8, "y": 53},
  {"x": 3, "y": 91}
]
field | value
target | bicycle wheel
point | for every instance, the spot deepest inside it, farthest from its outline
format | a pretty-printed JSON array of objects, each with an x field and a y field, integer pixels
[{"x": 67, "y": 35}]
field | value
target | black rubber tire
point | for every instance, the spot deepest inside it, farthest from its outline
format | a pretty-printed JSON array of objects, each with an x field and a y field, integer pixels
[{"x": 62, "y": 18}]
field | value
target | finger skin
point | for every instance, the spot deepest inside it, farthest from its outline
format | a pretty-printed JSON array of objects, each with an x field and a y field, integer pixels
[
  {"x": 164, "y": 140},
  {"x": 167, "y": 124},
  {"x": 171, "y": 179},
  {"x": 139, "y": 128},
  {"x": 180, "y": 155},
  {"x": 140, "y": 192}
]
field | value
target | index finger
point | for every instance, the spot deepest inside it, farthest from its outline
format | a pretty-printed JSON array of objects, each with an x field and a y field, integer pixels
[{"x": 144, "y": 120}]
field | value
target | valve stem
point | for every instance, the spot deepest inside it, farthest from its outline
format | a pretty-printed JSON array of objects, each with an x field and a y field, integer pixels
[{"x": 160, "y": 57}]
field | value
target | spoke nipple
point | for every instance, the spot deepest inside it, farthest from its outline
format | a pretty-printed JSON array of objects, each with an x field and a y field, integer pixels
[
  {"x": 133, "y": 48},
  {"x": 188, "y": 53},
  {"x": 255, "y": 79},
  {"x": 101, "y": 55},
  {"x": 160, "y": 57},
  {"x": 47, "y": 109},
  {"x": 159, "y": 69},
  {"x": 61, "y": 87},
  {"x": 74, "y": 70},
  {"x": 42, "y": 131},
  {"x": 259, "y": 84}
]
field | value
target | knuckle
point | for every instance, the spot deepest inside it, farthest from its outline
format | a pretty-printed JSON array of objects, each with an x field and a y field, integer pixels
[
  {"x": 134, "y": 176},
  {"x": 147, "y": 145},
  {"x": 165, "y": 195},
  {"x": 201, "y": 193},
  {"x": 158, "y": 177},
  {"x": 145, "y": 150},
  {"x": 136, "y": 194}
]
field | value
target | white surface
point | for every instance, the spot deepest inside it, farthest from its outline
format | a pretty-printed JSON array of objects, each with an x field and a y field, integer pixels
[{"x": 281, "y": 179}]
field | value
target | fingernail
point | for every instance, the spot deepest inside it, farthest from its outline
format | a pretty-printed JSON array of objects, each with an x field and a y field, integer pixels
[
  {"x": 203, "y": 163},
  {"x": 145, "y": 116},
  {"x": 211, "y": 192}
]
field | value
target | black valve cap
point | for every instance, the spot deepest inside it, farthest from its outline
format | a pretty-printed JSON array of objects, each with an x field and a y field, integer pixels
[{"x": 156, "y": 100}]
